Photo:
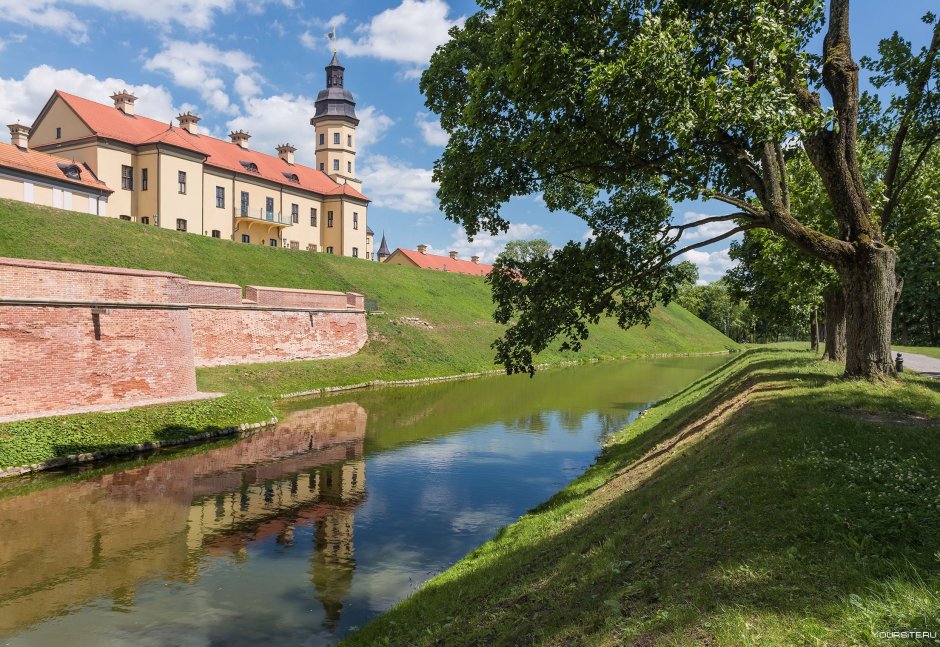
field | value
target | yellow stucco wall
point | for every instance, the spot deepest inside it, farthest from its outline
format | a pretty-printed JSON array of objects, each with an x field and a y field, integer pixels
[
  {"x": 58, "y": 116},
  {"x": 397, "y": 258},
  {"x": 215, "y": 218},
  {"x": 329, "y": 152},
  {"x": 175, "y": 205}
]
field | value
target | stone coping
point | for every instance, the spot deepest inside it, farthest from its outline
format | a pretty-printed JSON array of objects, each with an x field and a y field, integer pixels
[
  {"x": 214, "y": 285},
  {"x": 265, "y": 288},
  {"x": 134, "y": 305},
  {"x": 92, "y": 269}
]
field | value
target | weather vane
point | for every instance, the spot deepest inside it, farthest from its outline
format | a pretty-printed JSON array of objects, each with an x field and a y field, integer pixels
[{"x": 331, "y": 35}]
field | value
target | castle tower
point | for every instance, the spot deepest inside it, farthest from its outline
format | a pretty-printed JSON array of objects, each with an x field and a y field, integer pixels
[{"x": 335, "y": 123}]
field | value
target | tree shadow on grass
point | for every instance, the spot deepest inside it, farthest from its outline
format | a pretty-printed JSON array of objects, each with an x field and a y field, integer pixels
[{"x": 777, "y": 527}]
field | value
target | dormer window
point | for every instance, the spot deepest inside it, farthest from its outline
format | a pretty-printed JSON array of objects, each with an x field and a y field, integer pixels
[
  {"x": 71, "y": 171},
  {"x": 292, "y": 177},
  {"x": 251, "y": 167}
]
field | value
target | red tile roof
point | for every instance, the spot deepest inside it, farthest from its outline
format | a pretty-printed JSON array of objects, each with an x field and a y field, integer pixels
[
  {"x": 31, "y": 161},
  {"x": 111, "y": 123},
  {"x": 445, "y": 263}
]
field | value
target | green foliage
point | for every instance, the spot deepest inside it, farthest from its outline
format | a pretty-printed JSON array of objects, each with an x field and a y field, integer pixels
[
  {"x": 526, "y": 250},
  {"x": 809, "y": 516},
  {"x": 717, "y": 305},
  {"x": 615, "y": 109}
]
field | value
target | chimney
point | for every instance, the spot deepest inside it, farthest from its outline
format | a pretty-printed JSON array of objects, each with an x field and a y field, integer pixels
[
  {"x": 422, "y": 249},
  {"x": 286, "y": 153},
  {"x": 188, "y": 122},
  {"x": 474, "y": 259},
  {"x": 453, "y": 255},
  {"x": 124, "y": 101},
  {"x": 19, "y": 135},
  {"x": 240, "y": 138}
]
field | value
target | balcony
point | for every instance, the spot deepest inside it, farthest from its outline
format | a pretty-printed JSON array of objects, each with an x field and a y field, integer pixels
[{"x": 261, "y": 215}]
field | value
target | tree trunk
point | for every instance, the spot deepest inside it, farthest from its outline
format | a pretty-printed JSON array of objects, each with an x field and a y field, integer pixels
[
  {"x": 814, "y": 332},
  {"x": 871, "y": 290},
  {"x": 834, "y": 301}
]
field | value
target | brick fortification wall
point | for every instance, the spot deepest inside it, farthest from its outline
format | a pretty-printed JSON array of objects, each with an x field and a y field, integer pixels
[
  {"x": 79, "y": 336},
  {"x": 58, "y": 352}
]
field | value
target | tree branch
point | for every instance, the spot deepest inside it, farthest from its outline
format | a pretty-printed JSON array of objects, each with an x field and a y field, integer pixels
[{"x": 914, "y": 96}]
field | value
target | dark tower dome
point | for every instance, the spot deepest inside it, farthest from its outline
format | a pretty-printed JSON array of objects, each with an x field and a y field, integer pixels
[{"x": 335, "y": 101}]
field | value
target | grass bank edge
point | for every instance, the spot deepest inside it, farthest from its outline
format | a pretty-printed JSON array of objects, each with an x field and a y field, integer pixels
[{"x": 864, "y": 576}]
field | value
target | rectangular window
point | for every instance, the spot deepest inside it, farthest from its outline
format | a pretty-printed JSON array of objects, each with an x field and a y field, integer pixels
[
  {"x": 145, "y": 220},
  {"x": 216, "y": 233},
  {"x": 322, "y": 139},
  {"x": 181, "y": 179},
  {"x": 349, "y": 140},
  {"x": 272, "y": 242},
  {"x": 349, "y": 167},
  {"x": 180, "y": 224},
  {"x": 355, "y": 252},
  {"x": 335, "y": 138},
  {"x": 329, "y": 250},
  {"x": 321, "y": 166},
  {"x": 313, "y": 216},
  {"x": 58, "y": 133},
  {"x": 246, "y": 238},
  {"x": 329, "y": 218},
  {"x": 220, "y": 197},
  {"x": 335, "y": 165},
  {"x": 245, "y": 203},
  {"x": 127, "y": 178},
  {"x": 295, "y": 213},
  {"x": 269, "y": 208},
  {"x": 144, "y": 179},
  {"x": 294, "y": 244},
  {"x": 311, "y": 248},
  {"x": 127, "y": 218},
  {"x": 355, "y": 220}
]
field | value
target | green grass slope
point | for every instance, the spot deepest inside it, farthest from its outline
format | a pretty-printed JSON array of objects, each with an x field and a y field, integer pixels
[
  {"x": 457, "y": 307},
  {"x": 769, "y": 503}
]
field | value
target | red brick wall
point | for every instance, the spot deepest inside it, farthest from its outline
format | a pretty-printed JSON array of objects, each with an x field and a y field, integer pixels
[
  {"x": 56, "y": 358},
  {"x": 25, "y": 279},
  {"x": 248, "y": 335},
  {"x": 287, "y": 298},
  {"x": 214, "y": 293},
  {"x": 51, "y": 360}
]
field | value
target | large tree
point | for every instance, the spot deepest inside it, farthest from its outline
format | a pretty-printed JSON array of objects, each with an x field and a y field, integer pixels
[{"x": 614, "y": 109}]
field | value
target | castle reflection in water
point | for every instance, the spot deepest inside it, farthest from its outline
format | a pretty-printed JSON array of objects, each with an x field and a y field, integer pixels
[{"x": 103, "y": 537}]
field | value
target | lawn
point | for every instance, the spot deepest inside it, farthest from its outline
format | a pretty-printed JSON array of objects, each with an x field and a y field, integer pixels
[{"x": 769, "y": 503}]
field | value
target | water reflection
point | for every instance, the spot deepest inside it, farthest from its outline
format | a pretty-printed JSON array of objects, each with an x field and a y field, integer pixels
[
  {"x": 274, "y": 538},
  {"x": 103, "y": 537}
]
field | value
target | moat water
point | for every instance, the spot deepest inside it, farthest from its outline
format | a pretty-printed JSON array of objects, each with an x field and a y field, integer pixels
[{"x": 298, "y": 534}]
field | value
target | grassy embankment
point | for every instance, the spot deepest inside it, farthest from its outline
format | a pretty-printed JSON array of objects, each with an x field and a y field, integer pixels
[
  {"x": 769, "y": 503},
  {"x": 919, "y": 350},
  {"x": 457, "y": 308}
]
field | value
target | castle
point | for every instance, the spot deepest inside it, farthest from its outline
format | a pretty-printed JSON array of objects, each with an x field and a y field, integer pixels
[{"x": 107, "y": 160}]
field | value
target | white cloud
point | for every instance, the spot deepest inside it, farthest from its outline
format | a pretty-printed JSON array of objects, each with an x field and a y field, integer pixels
[
  {"x": 711, "y": 265},
  {"x": 393, "y": 184},
  {"x": 406, "y": 34},
  {"x": 12, "y": 38},
  {"x": 286, "y": 118},
  {"x": 22, "y": 99},
  {"x": 431, "y": 131},
  {"x": 488, "y": 247},
  {"x": 58, "y": 15},
  {"x": 200, "y": 66},
  {"x": 703, "y": 232}
]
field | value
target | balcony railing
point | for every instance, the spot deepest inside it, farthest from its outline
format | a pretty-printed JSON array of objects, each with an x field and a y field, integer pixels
[{"x": 262, "y": 215}]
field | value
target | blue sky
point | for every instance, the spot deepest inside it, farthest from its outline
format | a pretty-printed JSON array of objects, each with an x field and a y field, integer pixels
[{"x": 258, "y": 65}]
